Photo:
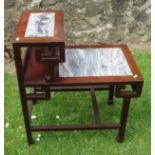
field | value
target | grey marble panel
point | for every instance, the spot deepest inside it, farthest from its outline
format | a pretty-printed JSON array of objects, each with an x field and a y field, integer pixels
[
  {"x": 40, "y": 25},
  {"x": 94, "y": 62}
]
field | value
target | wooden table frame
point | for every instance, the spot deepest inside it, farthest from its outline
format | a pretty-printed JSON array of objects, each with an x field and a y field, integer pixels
[
  {"x": 41, "y": 88},
  {"x": 115, "y": 85}
]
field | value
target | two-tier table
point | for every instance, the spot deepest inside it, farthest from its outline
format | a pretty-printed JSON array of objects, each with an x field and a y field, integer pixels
[{"x": 45, "y": 64}]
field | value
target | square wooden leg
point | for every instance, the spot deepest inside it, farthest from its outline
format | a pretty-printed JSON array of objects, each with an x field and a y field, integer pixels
[
  {"x": 123, "y": 119},
  {"x": 111, "y": 95}
]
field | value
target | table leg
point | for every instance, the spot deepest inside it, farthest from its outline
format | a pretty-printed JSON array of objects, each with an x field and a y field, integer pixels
[
  {"x": 22, "y": 91},
  {"x": 26, "y": 111},
  {"x": 34, "y": 91},
  {"x": 111, "y": 95},
  {"x": 123, "y": 119},
  {"x": 27, "y": 124}
]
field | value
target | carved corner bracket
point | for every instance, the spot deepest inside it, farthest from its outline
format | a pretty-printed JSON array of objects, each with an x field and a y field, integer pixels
[{"x": 122, "y": 91}]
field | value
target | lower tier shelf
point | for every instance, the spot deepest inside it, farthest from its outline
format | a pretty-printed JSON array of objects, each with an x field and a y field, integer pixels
[{"x": 83, "y": 66}]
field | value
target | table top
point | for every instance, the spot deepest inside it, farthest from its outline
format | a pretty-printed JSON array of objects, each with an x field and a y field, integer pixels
[
  {"x": 40, "y": 26},
  {"x": 88, "y": 64},
  {"x": 84, "y": 62}
]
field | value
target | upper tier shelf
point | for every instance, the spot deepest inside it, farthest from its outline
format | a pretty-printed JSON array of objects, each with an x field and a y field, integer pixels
[
  {"x": 40, "y": 27},
  {"x": 87, "y": 65}
]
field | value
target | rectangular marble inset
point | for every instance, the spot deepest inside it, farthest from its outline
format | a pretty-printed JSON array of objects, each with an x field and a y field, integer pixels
[
  {"x": 40, "y": 25},
  {"x": 94, "y": 62}
]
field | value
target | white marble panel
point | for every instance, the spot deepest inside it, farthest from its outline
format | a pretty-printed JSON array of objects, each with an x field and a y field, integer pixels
[
  {"x": 40, "y": 25},
  {"x": 94, "y": 62}
]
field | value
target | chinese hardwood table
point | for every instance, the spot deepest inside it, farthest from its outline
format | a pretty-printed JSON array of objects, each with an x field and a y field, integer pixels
[{"x": 49, "y": 65}]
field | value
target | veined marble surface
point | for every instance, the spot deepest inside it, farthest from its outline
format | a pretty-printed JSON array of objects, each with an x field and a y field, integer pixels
[
  {"x": 94, "y": 62},
  {"x": 40, "y": 25}
]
